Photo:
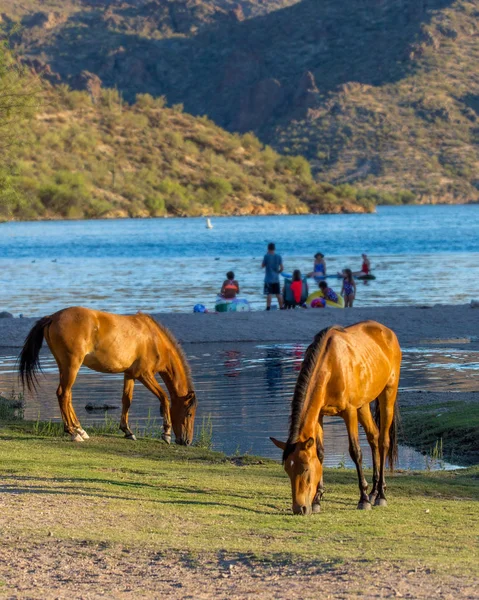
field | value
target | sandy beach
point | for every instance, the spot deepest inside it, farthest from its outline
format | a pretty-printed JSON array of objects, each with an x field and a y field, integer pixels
[{"x": 412, "y": 325}]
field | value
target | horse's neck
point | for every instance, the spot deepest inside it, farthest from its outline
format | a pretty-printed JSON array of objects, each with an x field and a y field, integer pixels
[
  {"x": 314, "y": 402},
  {"x": 175, "y": 373}
]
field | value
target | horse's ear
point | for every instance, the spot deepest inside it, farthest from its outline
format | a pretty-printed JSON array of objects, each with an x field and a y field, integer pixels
[
  {"x": 276, "y": 442},
  {"x": 308, "y": 444}
]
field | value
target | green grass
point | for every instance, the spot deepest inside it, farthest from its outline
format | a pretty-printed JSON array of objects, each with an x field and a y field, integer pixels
[
  {"x": 452, "y": 427},
  {"x": 194, "y": 500}
]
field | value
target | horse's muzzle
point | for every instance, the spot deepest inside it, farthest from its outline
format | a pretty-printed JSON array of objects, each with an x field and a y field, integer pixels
[
  {"x": 302, "y": 510},
  {"x": 183, "y": 442}
]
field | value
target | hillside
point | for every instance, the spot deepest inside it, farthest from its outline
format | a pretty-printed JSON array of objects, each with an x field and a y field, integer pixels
[
  {"x": 80, "y": 158},
  {"x": 381, "y": 93}
]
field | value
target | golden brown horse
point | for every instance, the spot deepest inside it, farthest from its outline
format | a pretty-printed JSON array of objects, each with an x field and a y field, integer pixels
[
  {"x": 343, "y": 371},
  {"x": 135, "y": 345}
]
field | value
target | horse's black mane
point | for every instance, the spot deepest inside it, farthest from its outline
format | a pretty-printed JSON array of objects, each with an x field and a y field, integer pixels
[{"x": 297, "y": 405}]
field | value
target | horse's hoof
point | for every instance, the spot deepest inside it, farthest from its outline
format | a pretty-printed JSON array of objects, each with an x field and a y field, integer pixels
[
  {"x": 315, "y": 509},
  {"x": 76, "y": 437},
  {"x": 130, "y": 436},
  {"x": 364, "y": 506},
  {"x": 166, "y": 438},
  {"x": 372, "y": 498},
  {"x": 381, "y": 502},
  {"x": 83, "y": 433}
]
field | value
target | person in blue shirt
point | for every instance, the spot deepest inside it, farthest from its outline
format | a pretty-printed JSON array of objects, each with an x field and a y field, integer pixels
[{"x": 273, "y": 265}]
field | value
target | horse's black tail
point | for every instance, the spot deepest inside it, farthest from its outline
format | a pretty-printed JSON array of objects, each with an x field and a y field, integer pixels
[
  {"x": 393, "y": 433},
  {"x": 29, "y": 361}
]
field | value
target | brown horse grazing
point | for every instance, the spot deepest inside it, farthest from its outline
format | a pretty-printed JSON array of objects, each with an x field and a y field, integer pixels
[
  {"x": 135, "y": 345},
  {"x": 343, "y": 371}
]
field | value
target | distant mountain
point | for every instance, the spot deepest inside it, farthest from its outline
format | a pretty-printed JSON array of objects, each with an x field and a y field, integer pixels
[{"x": 373, "y": 92}]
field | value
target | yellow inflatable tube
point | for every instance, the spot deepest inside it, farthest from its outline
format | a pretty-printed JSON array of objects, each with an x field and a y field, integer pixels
[{"x": 319, "y": 294}]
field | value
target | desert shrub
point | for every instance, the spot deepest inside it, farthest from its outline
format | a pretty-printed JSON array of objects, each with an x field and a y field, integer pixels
[
  {"x": 250, "y": 142},
  {"x": 156, "y": 205},
  {"x": 144, "y": 101},
  {"x": 217, "y": 189},
  {"x": 77, "y": 99},
  {"x": 175, "y": 195},
  {"x": 98, "y": 208},
  {"x": 277, "y": 195},
  {"x": 110, "y": 98},
  {"x": 297, "y": 165},
  {"x": 134, "y": 120},
  {"x": 67, "y": 192},
  {"x": 174, "y": 139}
]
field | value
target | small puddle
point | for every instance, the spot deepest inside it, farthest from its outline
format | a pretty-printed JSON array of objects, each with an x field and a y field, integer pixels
[{"x": 246, "y": 391}]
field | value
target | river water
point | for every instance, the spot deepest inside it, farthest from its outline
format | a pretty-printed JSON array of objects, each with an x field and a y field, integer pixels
[
  {"x": 419, "y": 254},
  {"x": 244, "y": 391}
]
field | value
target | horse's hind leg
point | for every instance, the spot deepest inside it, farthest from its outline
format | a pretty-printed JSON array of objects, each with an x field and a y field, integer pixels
[
  {"x": 351, "y": 419},
  {"x": 366, "y": 419},
  {"x": 128, "y": 386},
  {"x": 151, "y": 384},
  {"x": 68, "y": 374},
  {"x": 387, "y": 400}
]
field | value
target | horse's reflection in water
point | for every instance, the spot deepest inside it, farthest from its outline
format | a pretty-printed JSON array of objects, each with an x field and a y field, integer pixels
[{"x": 135, "y": 345}]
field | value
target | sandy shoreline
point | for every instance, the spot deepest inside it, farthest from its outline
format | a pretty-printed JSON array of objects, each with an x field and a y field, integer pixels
[{"x": 412, "y": 324}]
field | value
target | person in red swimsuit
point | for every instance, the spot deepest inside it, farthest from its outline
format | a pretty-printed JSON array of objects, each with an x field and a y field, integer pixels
[
  {"x": 297, "y": 289},
  {"x": 230, "y": 286},
  {"x": 366, "y": 266}
]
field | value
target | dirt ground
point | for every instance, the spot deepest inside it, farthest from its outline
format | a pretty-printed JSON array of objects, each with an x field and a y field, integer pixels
[{"x": 63, "y": 569}]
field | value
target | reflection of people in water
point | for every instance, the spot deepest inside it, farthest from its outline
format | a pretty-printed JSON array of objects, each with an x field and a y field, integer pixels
[
  {"x": 298, "y": 352},
  {"x": 232, "y": 363},
  {"x": 274, "y": 368}
]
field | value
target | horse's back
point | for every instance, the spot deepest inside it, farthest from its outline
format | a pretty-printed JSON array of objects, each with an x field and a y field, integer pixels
[
  {"x": 103, "y": 341},
  {"x": 360, "y": 361},
  {"x": 379, "y": 335}
]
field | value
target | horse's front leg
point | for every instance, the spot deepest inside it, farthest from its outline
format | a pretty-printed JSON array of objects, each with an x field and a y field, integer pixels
[
  {"x": 351, "y": 419},
  {"x": 150, "y": 383},
  {"x": 128, "y": 386}
]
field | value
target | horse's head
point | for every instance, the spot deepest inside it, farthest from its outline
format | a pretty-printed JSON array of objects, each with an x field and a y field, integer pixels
[
  {"x": 304, "y": 468},
  {"x": 183, "y": 418}
]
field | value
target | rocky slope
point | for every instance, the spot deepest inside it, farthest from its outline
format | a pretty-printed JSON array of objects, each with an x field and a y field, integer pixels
[
  {"x": 380, "y": 92},
  {"x": 90, "y": 155}
]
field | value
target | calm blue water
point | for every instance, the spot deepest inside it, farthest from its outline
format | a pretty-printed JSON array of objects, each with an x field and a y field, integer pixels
[{"x": 419, "y": 254}]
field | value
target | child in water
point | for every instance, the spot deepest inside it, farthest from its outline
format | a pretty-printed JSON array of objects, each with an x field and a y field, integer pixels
[
  {"x": 230, "y": 286},
  {"x": 328, "y": 293},
  {"x": 319, "y": 266},
  {"x": 348, "y": 291}
]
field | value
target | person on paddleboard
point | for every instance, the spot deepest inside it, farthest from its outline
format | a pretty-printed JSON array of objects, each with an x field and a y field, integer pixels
[{"x": 365, "y": 267}]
